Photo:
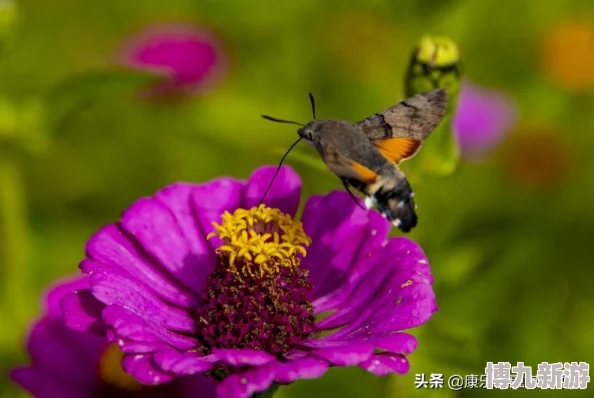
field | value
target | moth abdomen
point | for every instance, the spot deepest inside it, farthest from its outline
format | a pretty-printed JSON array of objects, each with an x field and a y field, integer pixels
[{"x": 397, "y": 205}]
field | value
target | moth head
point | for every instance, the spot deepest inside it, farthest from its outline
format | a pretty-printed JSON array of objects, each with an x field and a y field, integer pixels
[{"x": 308, "y": 131}]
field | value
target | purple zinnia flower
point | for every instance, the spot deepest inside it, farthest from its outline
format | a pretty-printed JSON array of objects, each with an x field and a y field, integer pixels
[
  {"x": 71, "y": 364},
  {"x": 483, "y": 117},
  {"x": 191, "y": 58},
  {"x": 240, "y": 300}
]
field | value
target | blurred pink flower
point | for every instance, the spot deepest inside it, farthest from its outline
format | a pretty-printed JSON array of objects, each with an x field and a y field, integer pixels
[
  {"x": 483, "y": 117},
  {"x": 190, "y": 57}
]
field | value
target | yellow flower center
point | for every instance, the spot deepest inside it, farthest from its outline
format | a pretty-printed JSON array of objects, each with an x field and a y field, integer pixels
[
  {"x": 110, "y": 368},
  {"x": 261, "y": 240}
]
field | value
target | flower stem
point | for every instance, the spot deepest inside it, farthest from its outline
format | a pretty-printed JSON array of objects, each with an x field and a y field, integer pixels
[{"x": 268, "y": 393}]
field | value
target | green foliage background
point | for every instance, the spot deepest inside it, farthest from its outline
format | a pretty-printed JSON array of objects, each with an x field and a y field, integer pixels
[{"x": 513, "y": 264}]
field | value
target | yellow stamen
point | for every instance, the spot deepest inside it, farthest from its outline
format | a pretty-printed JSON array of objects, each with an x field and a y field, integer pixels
[
  {"x": 262, "y": 240},
  {"x": 110, "y": 368}
]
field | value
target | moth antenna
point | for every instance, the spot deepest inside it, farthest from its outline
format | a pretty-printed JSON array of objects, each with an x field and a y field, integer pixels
[
  {"x": 273, "y": 119},
  {"x": 278, "y": 169},
  {"x": 313, "y": 105},
  {"x": 346, "y": 186}
]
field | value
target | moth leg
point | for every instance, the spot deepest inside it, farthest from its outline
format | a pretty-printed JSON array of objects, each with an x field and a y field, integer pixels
[{"x": 348, "y": 189}]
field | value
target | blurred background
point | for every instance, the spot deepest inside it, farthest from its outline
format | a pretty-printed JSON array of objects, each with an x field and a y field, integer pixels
[{"x": 103, "y": 102}]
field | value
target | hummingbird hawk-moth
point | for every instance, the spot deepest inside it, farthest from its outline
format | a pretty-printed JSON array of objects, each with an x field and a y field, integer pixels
[{"x": 366, "y": 155}]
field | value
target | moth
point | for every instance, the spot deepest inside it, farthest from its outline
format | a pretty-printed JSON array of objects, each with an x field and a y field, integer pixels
[{"x": 366, "y": 155}]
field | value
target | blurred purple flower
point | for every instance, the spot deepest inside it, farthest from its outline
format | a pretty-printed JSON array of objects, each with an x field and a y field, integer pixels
[
  {"x": 242, "y": 307},
  {"x": 483, "y": 117},
  {"x": 71, "y": 364},
  {"x": 190, "y": 58}
]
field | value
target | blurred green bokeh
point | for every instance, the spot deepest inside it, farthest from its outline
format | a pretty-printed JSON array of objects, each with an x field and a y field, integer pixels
[{"x": 512, "y": 254}]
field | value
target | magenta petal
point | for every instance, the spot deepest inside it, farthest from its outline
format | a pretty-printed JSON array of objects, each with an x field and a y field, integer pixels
[
  {"x": 110, "y": 248},
  {"x": 397, "y": 343},
  {"x": 178, "y": 363},
  {"x": 66, "y": 354},
  {"x": 115, "y": 288},
  {"x": 243, "y": 357},
  {"x": 63, "y": 361},
  {"x": 302, "y": 368},
  {"x": 367, "y": 288},
  {"x": 284, "y": 194},
  {"x": 338, "y": 228},
  {"x": 129, "y": 326},
  {"x": 82, "y": 312},
  {"x": 386, "y": 363},
  {"x": 60, "y": 289},
  {"x": 326, "y": 342},
  {"x": 42, "y": 384},
  {"x": 339, "y": 287},
  {"x": 346, "y": 355},
  {"x": 211, "y": 200},
  {"x": 142, "y": 369},
  {"x": 135, "y": 347},
  {"x": 179, "y": 198},
  {"x": 153, "y": 226},
  {"x": 245, "y": 384},
  {"x": 314, "y": 207},
  {"x": 413, "y": 294},
  {"x": 394, "y": 296},
  {"x": 198, "y": 386}
]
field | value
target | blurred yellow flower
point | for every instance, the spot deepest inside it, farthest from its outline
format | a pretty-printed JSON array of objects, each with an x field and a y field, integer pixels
[{"x": 568, "y": 54}]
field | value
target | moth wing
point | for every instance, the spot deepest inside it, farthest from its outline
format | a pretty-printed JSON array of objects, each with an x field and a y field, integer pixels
[
  {"x": 346, "y": 168},
  {"x": 398, "y": 132}
]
